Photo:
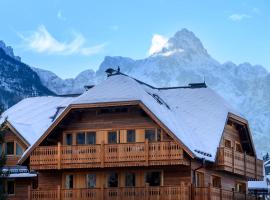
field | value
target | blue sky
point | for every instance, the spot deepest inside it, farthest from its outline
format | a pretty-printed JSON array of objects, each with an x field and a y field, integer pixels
[{"x": 67, "y": 37}]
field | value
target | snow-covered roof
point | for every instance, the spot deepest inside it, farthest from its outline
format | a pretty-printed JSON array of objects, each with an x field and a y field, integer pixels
[
  {"x": 31, "y": 117},
  {"x": 17, "y": 172},
  {"x": 196, "y": 116},
  {"x": 264, "y": 184}
]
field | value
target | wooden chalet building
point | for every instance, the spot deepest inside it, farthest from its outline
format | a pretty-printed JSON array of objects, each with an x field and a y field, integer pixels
[{"x": 126, "y": 140}]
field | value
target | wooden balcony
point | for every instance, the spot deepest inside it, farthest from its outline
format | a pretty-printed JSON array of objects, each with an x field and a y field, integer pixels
[
  {"x": 240, "y": 163},
  {"x": 181, "y": 192},
  {"x": 107, "y": 155}
]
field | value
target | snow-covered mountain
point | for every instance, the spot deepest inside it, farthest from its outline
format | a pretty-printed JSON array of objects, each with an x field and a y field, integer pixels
[
  {"x": 66, "y": 86},
  {"x": 183, "y": 60},
  {"x": 8, "y": 50},
  {"x": 17, "y": 80}
]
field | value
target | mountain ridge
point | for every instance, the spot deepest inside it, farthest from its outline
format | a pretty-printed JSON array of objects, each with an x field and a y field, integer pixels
[{"x": 182, "y": 60}]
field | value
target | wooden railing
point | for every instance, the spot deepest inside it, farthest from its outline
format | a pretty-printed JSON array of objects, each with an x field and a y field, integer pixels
[
  {"x": 181, "y": 192},
  {"x": 107, "y": 155},
  {"x": 240, "y": 163}
]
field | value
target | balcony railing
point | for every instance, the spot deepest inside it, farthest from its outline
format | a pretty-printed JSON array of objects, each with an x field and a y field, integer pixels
[
  {"x": 181, "y": 192},
  {"x": 107, "y": 155},
  {"x": 240, "y": 163}
]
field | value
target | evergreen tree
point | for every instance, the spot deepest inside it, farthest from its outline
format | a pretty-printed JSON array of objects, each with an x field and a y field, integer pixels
[{"x": 2, "y": 157}]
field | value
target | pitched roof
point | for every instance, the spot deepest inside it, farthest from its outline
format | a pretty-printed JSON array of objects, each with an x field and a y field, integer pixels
[
  {"x": 196, "y": 116},
  {"x": 31, "y": 117}
]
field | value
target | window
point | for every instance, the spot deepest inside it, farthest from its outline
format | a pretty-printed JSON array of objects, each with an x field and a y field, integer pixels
[
  {"x": 19, "y": 150},
  {"x": 240, "y": 187},
  {"x": 216, "y": 181},
  {"x": 150, "y": 134},
  {"x": 34, "y": 183},
  {"x": 238, "y": 147},
  {"x": 91, "y": 180},
  {"x": 228, "y": 143},
  {"x": 10, "y": 187},
  {"x": 158, "y": 135},
  {"x": 113, "y": 179},
  {"x": 69, "y": 139},
  {"x": 80, "y": 138},
  {"x": 130, "y": 179},
  {"x": 69, "y": 181},
  {"x": 91, "y": 138},
  {"x": 10, "y": 148},
  {"x": 153, "y": 178},
  {"x": 112, "y": 137},
  {"x": 131, "y": 136},
  {"x": 199, "y": 179}
]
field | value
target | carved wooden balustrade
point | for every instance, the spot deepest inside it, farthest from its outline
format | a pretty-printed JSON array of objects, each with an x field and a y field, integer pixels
[
  {"x": 180, "y": 192},
  {"x": 239, "y": 163},
  {"x": 107, "y": 155}
]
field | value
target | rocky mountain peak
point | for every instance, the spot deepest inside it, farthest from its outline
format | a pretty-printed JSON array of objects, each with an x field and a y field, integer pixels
[
  {"x": 185, "y": 41},
  {"x": 8, "y": 50}
]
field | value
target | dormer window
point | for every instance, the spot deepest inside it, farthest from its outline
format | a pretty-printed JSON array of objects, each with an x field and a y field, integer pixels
[
  {"x": 10, "y": 148},
  {"x": 227, "y": 143},
  {"x": 19, "y": 150},
  {"x": 238, "y": 147}
]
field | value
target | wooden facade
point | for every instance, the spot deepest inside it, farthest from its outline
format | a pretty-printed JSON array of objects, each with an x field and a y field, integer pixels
[
  {"x": 13, "y": 147},
  {"x": 119, "y": 152}
]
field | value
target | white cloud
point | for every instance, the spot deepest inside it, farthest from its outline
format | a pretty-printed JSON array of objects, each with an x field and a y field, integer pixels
[
  {"x": 239, "y": 17},
  {"x": 42, "y": 41},
  {"x": 158, "y": 43},
  {"x": 60, "y": 16}
]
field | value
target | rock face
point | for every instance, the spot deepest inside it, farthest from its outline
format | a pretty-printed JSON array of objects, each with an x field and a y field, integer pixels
[
  {"x": 18, "y": 81},
  {"x": 181, "y": 61},
  {"x": 8, "y": 50}
]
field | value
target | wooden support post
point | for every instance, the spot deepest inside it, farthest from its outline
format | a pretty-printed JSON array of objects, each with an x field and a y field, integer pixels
[
  {"x": 147, "y": 191},
  {"x": 102, "y": 152},
  {"x": 58, "y": 192},
  {"x": 220, "y": 196},
  {"x": 245, "y": 165},
  {"x": 29, "y": 192},
  {"x": 59, "y": 155},
  {"x": 146, "y": 148},
  {"x": 232, "y": 160},
  {"x": 192, "y": 192},
  {"x": 209, "y": 191},
  {"x": 256, "y": 168},
  {"x": 233, "y": 193}
]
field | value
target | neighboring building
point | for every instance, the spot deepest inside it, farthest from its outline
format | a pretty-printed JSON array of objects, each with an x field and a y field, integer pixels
[
  {"x": 124, "y": 139},
  {"x": 261, "y": 188}
]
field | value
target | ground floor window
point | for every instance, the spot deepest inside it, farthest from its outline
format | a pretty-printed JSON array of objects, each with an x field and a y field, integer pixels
[
  {"x": 91, "y": 180},
  {"x": 130, "y": 179},
  {"x": 216, "y": 181},
  {"x": 153, "y": 178},
  {"x": 69, "y": 181},
  {"x": 10, "y": 187},
  {"x": 240, "y": 187},
  {"x": 113, "y": 179},
  {"x": 199, "y": 179}
]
